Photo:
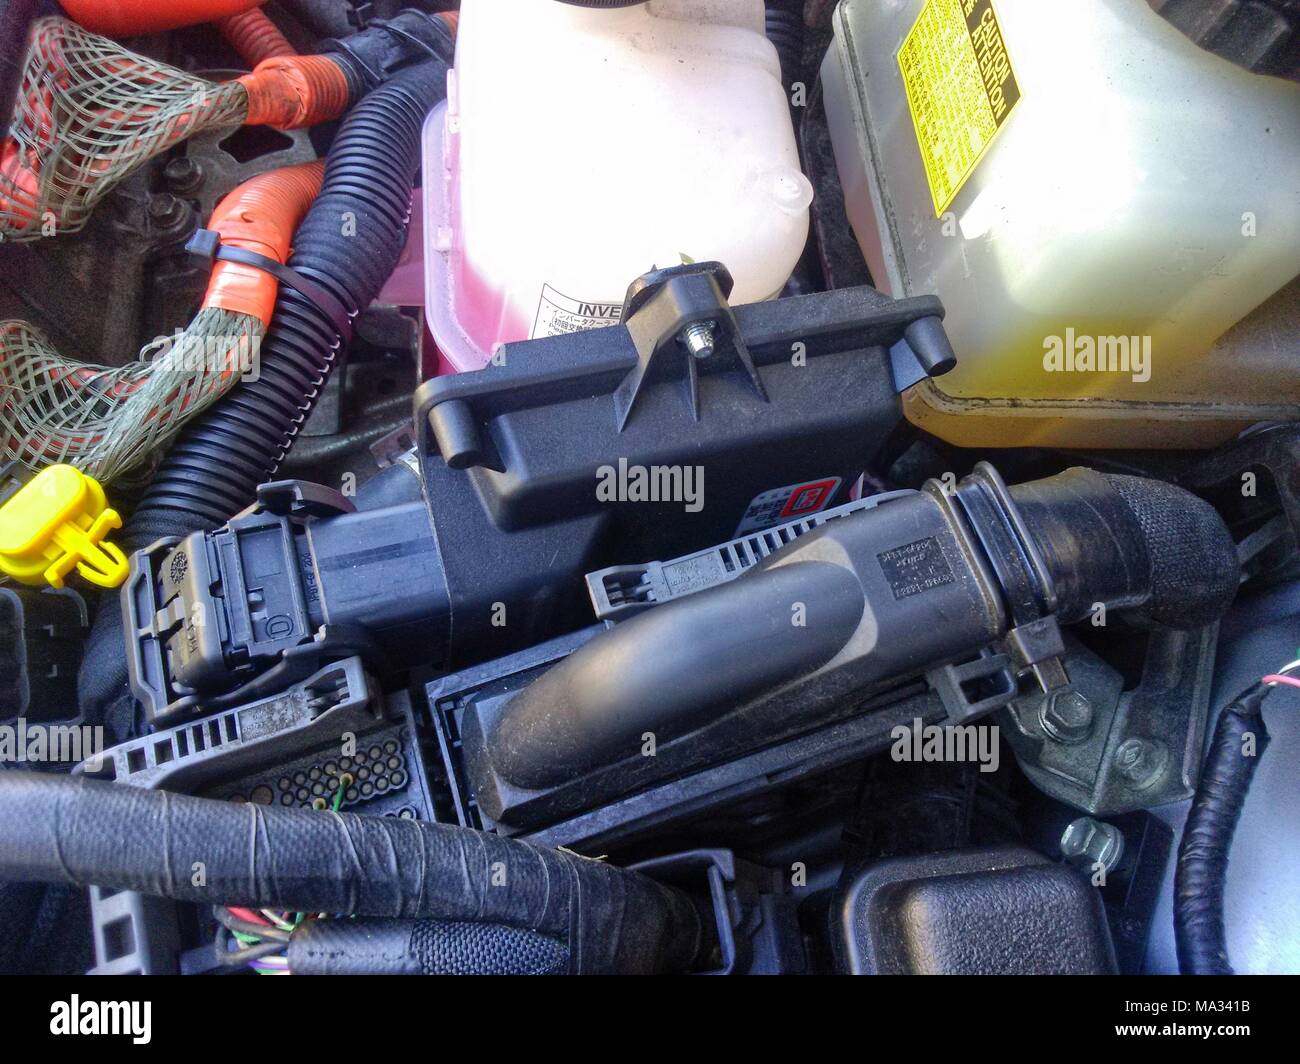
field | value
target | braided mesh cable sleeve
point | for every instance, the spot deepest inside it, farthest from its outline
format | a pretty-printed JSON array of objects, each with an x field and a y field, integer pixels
[
  {"x": 88, "y": 113},
  {"x": 107, "y": 420}
]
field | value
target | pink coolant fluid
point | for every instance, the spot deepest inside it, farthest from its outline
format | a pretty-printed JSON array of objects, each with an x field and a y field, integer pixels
[
  {"x": 407, "y": 288},
  {"x": 580, "y": 148}
]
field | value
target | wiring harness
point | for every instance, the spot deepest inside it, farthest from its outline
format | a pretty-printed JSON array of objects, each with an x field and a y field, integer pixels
[
  {"x": 1239, "y": 741},
  {"x": 260, "y": 939},
  {"x": 89, "y": 112},
  {"x": 108, "y": 420}
]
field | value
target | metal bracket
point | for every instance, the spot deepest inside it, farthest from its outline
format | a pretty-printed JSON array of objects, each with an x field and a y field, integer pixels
[{"x": 680, "y": 323}]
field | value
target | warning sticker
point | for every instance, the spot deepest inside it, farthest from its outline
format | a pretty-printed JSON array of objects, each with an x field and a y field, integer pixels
[
  {"x": 781, "y": 505},
  {"x": 558, "y": 314},
  {"x": 961, "y": 89}
]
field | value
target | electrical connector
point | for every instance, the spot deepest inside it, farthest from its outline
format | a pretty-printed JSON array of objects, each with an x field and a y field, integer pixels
[{"x": 57, "y": 522}]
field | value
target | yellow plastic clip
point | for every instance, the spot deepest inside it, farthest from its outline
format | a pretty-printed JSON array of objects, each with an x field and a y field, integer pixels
[{"x": 55, "y": 523}]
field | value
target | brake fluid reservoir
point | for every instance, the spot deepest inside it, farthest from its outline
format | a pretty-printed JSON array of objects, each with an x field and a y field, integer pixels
[
  {"x": 582, "y": 147},
  {"x": 1098, "y": 203}
]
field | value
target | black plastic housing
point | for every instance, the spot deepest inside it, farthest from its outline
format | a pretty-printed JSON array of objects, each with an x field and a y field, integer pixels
[
  {"x": 41, "y": 633},
  {"x": 513, "y": 460},
  {"x": 961, "y": 587},
  {"x": 985, "y": 912},
  {"x": 512, "y": 455}
]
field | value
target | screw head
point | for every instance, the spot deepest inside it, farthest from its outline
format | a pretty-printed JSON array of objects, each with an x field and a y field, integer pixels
[
  {"x": 183, "y": 174},
  {"x": 1066, "y": 716},
  {"x": 1141, "y": 761},
  {"x": 1088, "y": 843}
]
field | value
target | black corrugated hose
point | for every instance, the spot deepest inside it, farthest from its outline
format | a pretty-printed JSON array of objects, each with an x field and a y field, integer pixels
[
  {"x": 533, "y": 907},
  {"x": 349, "y": 243},
  {"x": 1235, "y": 751},
  {"x": 784, "y": 23}
]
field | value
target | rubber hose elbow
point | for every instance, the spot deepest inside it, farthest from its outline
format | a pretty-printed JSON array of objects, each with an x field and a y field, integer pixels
[
  {"x": 255, "y": 37},
  {"x": 131, "y": 18}
]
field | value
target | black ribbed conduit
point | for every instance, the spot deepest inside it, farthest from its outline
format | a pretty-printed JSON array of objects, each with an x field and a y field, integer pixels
[
  {"x": 784, "y": 24},
  {"x": 1202, "y": 870},
  {"x": 349, "y": 243},
  {"x": 80, "y": 832}
]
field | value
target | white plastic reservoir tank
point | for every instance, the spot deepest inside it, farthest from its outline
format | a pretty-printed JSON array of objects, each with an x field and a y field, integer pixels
[
  {"x": 580, "y": 148},
  {"x": 1109, "y": 213}
]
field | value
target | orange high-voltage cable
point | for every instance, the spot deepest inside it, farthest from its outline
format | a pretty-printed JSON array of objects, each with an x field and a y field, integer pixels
[
  {"x": 105, "y": 420},
  {"x": 89, "y": 112},
  {"x": 129, "y": 18}
]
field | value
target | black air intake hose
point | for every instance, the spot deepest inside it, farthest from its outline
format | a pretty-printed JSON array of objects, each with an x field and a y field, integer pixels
[
  {"x": 1202, "y": 869},
  {"x": 82, "y": 832},
  {"x": 1130, "y": 542},
  {"x": 885, "y": 594},
  {"x": 349, "y": 243}
]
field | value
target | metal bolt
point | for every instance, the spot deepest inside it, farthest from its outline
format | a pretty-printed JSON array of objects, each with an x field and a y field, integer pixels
[
  {"x": 698, "y": 338},
  {"x": 1089, "y": 843},
  {"x": 1066, "y": 715},
  {"x": 1141, "y": 761},
  {"x": 183, "y": 174},
  {"x": 166, "y": 210}
]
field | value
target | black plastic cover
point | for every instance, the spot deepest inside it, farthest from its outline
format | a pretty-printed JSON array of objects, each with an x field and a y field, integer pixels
[
  {"x": 41, "y": 634},
  {"x": 1006, "y": 911}
]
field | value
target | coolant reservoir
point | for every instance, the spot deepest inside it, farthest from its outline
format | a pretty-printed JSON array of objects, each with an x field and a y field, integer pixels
[
  {"x": 1110, "y": 215},
  {"x": 580, "y": 148}
]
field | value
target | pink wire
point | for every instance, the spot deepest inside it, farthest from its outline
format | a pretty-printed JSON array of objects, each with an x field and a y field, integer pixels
[{"x": 1290, "y": 681}]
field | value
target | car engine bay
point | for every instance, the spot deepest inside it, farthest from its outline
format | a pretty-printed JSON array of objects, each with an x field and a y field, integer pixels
[{"x": 650, "y": 487}]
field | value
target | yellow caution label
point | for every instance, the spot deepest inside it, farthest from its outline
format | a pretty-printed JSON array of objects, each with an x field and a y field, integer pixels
[{"x": 961, "y": 89}]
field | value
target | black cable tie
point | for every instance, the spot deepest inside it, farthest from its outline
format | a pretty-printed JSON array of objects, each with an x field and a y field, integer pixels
[{"x": 207, "y": 244}]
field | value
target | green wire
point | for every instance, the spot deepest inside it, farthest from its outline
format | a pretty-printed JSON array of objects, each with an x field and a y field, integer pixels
[{"x": 345, "y": 781}]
